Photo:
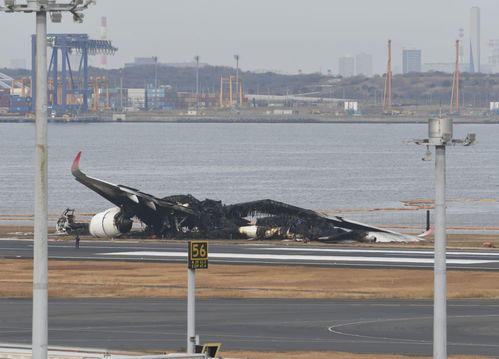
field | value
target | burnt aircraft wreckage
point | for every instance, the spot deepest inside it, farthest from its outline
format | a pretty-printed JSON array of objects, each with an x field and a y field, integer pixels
[{"x": 184, "y": 216}]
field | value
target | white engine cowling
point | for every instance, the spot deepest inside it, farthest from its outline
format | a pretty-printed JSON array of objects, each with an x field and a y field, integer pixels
[
  {"x": 249, "y": 231},
  {"x": 103, "y": 224}
]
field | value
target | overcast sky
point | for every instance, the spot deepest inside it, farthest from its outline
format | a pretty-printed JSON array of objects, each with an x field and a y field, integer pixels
[{"x": 284, "y": 35}]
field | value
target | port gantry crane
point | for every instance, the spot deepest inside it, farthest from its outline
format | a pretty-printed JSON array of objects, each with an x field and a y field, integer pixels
[{"x": 69, "y": 88}]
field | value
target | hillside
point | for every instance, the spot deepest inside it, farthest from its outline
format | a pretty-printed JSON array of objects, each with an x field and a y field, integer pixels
[{"x": 433, "y": 89}]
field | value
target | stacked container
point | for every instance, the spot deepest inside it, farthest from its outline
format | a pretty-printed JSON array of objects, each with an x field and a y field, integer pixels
[
  {"x": 19, "y": 104},
  {"x": 4, "y": 100},
  {"x": 157, "y": 99}
]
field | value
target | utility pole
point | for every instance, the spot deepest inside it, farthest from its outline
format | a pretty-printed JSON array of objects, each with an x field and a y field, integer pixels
[
  {"x": 236, "y": 57},
  {"x": 454, "y": 100},
  {"x": 387, "y": 101},
  {"x": 197, "y": 81},
  {"x": 155, "y": 59},
  {"x": 440, "y": 136},
  {"x": 40, "y": 242},
  {"x": 121, "y": 92}
]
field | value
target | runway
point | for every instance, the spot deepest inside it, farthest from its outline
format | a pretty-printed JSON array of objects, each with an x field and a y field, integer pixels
[
  {"x": 261, "y": 254},
  {"x": 361, "y": 326}
]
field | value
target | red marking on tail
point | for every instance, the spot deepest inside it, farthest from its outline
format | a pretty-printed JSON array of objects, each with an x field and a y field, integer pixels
[
  {"x": 76, "y": 162},
  {"x": 424, "y": 234}
]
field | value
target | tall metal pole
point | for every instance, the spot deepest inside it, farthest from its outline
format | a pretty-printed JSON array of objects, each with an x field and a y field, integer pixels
[
  {"x": 197, "y": 81},
  {"x": 440, "y": 136},
  {"x": 40, "y": 227},
  {"x": 40, "y": 250},
  {"x": 191, "y": 311},
  {"x": 121, "y": 93},
  {"x": 155, "y": 58},
  {"x": 237, "y": 79},
  {"x": 387, "y": 101},
  {"x": 440, "y": 281}
]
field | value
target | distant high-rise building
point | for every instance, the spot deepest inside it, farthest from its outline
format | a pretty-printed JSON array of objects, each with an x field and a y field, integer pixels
[
  {"x": 411, "y": 60},
  {"x": 346, "y": 66},
  {"x": 364, "y": 64},
  {"x": 494, "y": 56},
  {"x": 474, "y": 39}
]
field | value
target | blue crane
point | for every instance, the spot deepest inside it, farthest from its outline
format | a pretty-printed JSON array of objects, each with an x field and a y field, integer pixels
[{"x": 69, "y": 81}]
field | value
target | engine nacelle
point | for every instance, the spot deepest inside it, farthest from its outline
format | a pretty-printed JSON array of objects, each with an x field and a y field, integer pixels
[
  {"x": 109, "y": 224},
  {"x": 249, "y": 231}
]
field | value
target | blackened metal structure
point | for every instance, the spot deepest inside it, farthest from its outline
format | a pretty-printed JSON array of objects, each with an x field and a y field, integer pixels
[
  {"x": 63, "y": 79},
  {"x": 184, "y": 216}
]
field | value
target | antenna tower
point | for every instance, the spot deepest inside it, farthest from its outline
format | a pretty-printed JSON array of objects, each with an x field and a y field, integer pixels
[
  {"x": 454, "y": 100},
  {"x": 387, "y": 104}
]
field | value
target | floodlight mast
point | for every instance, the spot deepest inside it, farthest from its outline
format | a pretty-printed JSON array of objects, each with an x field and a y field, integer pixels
[
  {"x": 236, "y": 57},
  {"x": 40, "y": 228},
  {"x": 440, "y": 136},
  {"x": 196, "y": 58}
]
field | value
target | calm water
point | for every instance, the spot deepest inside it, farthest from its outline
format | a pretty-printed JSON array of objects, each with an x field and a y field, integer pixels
[{"x": 317, "y": 166}]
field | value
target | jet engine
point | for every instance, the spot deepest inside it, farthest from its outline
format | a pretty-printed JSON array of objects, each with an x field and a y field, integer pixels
[{"x": 110, "y": 223}]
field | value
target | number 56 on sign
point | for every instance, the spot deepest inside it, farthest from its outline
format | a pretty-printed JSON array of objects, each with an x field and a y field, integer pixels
[{"x": 198, "y": 254}]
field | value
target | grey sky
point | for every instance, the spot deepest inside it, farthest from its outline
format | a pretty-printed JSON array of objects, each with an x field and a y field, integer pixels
[{"x": 284, "y": 35}]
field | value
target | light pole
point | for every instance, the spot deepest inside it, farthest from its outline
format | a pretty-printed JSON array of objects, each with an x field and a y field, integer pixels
[
  {"x": 122, "y": 74},
  {"x": 155, "y": 59},
  {"x": 197, "y": 81},
  {"x": 40, "y": 229},
  {"x": 440, "y": 136},
  {"x": 236, "y": 57}
]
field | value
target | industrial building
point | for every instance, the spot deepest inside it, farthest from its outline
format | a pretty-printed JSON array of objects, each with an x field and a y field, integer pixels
[
  {"x": 152, "y": 61},
  {"x": 411, "y": 60}
]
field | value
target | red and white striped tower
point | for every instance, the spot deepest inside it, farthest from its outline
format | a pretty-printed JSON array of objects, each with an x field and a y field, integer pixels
[{"x": 103, "y": 36}]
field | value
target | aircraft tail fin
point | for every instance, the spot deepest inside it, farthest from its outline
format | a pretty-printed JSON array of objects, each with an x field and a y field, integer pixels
[
  {"x": 75, "y": 168},
  {"x": 426, "y": 233}
]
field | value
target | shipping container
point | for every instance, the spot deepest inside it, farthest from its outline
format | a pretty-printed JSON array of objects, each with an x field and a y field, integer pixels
[
  {"x": 19, "y": 99},
  {"x": 22, "y": 109}
]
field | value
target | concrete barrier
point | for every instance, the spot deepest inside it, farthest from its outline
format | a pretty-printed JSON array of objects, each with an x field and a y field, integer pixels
[{"x": 14, "y": 351}]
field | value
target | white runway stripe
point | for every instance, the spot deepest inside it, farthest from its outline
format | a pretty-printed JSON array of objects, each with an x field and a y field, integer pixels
[
  {"x": 298, "y": 257},
  {"x": 428, "y": 252}
]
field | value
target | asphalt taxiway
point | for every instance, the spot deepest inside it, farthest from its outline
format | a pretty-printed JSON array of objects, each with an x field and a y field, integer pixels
[
  {"x": 358, "y": 326},
  {"x": 362, "y": 326}
]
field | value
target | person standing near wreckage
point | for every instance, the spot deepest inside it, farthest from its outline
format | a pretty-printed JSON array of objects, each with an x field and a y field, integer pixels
[{"x": 77, "y": 241}]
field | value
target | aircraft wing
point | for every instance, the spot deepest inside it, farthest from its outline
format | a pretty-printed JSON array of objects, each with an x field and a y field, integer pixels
[
  {"x": 271, "y": 207},
  {"x": 124, "y": 196}
]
